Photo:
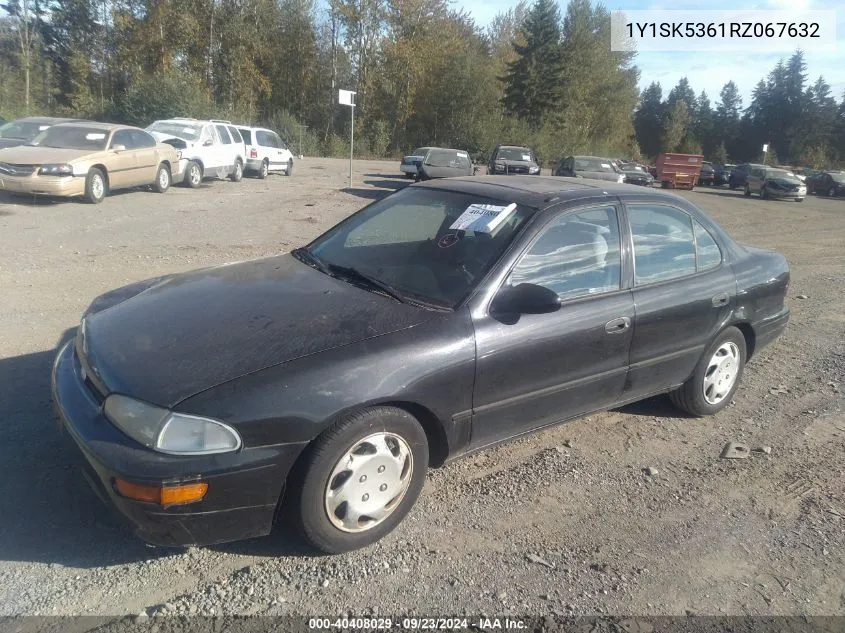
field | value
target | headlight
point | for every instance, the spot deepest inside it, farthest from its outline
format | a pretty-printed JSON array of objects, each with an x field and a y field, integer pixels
[
  {"x": 56, "y": 170},
  {"x": 533, "y": 170},
  {"x": 168, "y": 431}
]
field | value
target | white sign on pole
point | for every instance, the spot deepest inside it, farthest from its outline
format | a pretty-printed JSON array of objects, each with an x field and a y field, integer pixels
[
  {"x": 765, "y": 147},
  {"x": 346, "y": 97}
]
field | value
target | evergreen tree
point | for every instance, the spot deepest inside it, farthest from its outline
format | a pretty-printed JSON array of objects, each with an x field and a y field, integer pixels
[
  {"x": 533, "y": 79},
  {"x": 726, "y": 118},
  {"x": 675, "y": 127},
  {"x": 648, "y": 120},
  {"x": 702, "y": 126}
]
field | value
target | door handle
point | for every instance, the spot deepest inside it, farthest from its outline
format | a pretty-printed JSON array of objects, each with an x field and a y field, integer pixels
[
  {"x": 720, "y": 300},
  {"x": 617, "y": 326}
]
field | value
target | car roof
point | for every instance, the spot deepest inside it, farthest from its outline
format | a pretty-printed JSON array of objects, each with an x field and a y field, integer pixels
[
  {"x": 45, "y": 119},
  {"x": 106, "y": 127},
  {"x": 538, "y": 191},
  {"x": 512, "y": 147}
]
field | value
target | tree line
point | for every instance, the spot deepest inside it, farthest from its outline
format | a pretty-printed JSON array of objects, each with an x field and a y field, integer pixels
[{"x": 424, "y": 73}]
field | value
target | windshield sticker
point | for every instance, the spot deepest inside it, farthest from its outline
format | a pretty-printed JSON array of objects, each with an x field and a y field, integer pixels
[
  {"x": 41, "y": 128},
  {"x": 189, "y": 130},
  {"x": 605, "y": 165},
  {"x": 482, "y": 218},
  {"x": 94, "y": 137},
  {"x": 463, "y": 154},
  {"x": 526, "y": 157},
  {"x": 450, "y": 239}
]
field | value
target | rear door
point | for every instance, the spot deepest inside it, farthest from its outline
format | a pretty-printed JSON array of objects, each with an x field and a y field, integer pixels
[
  {"x": 267, "y": 148},
  {"x": 538, "y": 369},
  {"x": 122, "y": 162},
  {"x": 683, "y": 294},
  {"x": 146, "y": 157},
  {"x": 227, "y": 150}
]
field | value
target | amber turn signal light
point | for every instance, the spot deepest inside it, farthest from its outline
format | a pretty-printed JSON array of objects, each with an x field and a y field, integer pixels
[{"x": 162, "y": 495}]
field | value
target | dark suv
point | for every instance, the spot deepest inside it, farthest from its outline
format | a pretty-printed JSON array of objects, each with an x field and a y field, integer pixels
[
  {"x": 739, "y": 174},
  {"x": 723, "y": 173},
  {"x": 707, "y": 174},
  {"x": 512, "y": 160}
]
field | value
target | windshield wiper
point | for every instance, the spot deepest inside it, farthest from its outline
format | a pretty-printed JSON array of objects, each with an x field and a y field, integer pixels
[
  {"x": 353, "y": 274},
  {"x": 309, "y": 258}
]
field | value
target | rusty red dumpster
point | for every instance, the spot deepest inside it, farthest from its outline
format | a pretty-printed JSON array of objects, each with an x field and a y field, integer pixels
[{"x": 678, "y": 171}]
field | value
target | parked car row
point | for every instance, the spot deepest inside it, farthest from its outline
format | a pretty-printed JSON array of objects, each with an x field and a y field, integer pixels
[{"x": 72, "y": 157}]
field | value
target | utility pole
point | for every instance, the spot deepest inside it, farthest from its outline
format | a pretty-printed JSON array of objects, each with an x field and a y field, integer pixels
[{"x": 301, "y": 128}]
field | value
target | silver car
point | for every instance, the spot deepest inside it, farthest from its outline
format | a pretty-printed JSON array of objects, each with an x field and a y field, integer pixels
[
  {"x": 593, "y": 167},
  {"x": 769, "y": 182}
]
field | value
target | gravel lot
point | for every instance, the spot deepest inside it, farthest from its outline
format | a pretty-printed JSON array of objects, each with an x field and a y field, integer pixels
[{"x": 567, "y": 521}]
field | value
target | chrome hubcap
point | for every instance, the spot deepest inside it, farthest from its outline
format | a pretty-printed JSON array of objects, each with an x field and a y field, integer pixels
[
  {"x": 238, "y": 169},
  {"x": 721, "y": 373},
  {"x": 163, "y": 179},
  {"x": 97, "y": 187},
  {"x": 195, "y": 174},
  {"x": 368, "y": 482}
]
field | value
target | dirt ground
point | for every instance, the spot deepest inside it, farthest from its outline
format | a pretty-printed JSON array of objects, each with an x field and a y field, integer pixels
[{"x": 566, "y": 521}]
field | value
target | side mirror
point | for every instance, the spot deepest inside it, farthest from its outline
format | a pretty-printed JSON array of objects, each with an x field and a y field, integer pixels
[
  {"x": 119, "y": 148},
  {"x": 208, "y": 143},
  {"x": 525, "y": 299}
]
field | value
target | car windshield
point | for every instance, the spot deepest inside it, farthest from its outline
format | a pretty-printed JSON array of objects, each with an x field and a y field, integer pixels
[
  {"x": 633, "y": 168},
  {"x": 72, "y": 137},
  {"x": 838, "y": 177},
  {"x": 515, "y": 153},
  {"x": 22, "y": 130},
  {"x": 593, "y": 164},
  {"x": 412, "y": 242},
  {"x": 420, "y": 151},
  {"x": 180, "y": 130},
  {"x": 779, "y": 173}
]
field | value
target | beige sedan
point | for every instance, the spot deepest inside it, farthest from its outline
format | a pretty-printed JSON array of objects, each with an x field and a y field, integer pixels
[{"x": 88, "y": 159}]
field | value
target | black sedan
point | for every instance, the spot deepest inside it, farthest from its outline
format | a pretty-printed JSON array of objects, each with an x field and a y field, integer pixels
[
  {"x": 827, "y": 183},
  {"x": 636, "y": 175},
  {"x": 443, "y": 319}
]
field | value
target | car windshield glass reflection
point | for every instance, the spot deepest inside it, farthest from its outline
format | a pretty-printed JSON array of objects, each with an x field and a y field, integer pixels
[
  {"x": 180, "y": 130},
  {"x": 514, "y": 153},
  {"x": 19, "y": 130},
  {"x": 593, "y": 164},
  {"x": 407, "y": 244},
  {"x": 72, "y": 137},
  {"x": 446, "y": 158}
]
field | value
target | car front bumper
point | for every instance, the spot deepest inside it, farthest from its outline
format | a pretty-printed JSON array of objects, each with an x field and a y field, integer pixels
[
  {"x": 786, "y": 195},
  {"x": 44, "y": 185},
  {"x": 244, "y": 487}
]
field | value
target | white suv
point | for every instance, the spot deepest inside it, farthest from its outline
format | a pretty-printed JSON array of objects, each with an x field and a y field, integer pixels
[
  {"x": 265, "y": 151},
  {"x": 209, "y": 148}
]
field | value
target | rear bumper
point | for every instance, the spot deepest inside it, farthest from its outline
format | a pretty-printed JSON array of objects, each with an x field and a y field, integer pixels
[
  {"x": 408, "y": 169},
  {"x": 767, "y": 330},
  {"x": 44, "y": 185},
  {"x": 244, "y": 488}
]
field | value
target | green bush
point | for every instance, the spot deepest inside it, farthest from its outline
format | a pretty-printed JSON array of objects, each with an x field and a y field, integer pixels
[{"x": 162, "y": 96}]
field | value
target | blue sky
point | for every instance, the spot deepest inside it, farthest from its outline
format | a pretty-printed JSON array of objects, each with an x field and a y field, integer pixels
[{"x": 710, "y": 71}]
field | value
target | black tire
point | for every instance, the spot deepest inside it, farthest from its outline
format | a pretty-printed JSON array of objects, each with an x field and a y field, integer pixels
[
  {"x": 162, "y": 181},
  {"x": 96, "y": 186},
  {"x": 193, "y": 174},
  {"x": 689, "y": 397},
  {"x": 264, "y": 170},
  {"x": 237, "y": 171},
  {"x": 831, "y": 192},
  {"x": 763, "y": 193},
  {"x": 309, "y": 484},
  {"x": 289, "y": 170},
  {"x": 747, "y": 191}
]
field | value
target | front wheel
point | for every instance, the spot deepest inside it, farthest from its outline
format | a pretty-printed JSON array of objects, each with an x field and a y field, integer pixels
[
  {"x": 763, "y": 193},
  {"x": 831, "y": 192},
  {"x": 716, "y": 377},
  {"x": 162, "y": 181},
  {"x": 193, "y": 175},
  {"x": 237, "y": 171},
  {"x": 747, "y": 191},
  {"x": 289, "y": 170},
  {"x": 361, "y": 478},
  {"x": 95, "y": 186}
]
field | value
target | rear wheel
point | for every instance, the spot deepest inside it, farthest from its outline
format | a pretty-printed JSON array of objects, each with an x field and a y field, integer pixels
[
  {"x": 289, "y": 170},
  {"x": 162, "y": 181},
  {"x": 95, "y": 186},
  {"x": 264, "y": 169},
  {"x": 716, "y": 377},
  {"x": 763, "y": 193},
  {"x": 831, "y": 192},
  {"x": 237, "y": 171},
  {"x": 360, "y": 479},
  {"x": 193, "y": 175},
  {"x": 747, "y": 191}
]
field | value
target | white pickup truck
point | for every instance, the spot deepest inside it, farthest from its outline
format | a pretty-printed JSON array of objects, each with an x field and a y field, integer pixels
[{"x": 210, "y": 149}]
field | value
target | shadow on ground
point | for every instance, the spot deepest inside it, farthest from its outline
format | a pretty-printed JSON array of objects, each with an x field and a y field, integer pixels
[{"x": 50, "y": 515}]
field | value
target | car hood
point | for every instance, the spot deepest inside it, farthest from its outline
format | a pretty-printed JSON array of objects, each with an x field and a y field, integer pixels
[
  {"x": 162, "y": 137},
  {"x": 599, "y": 175},
  {"x": 11, "y": 142},
  {"x": 34, "y": 155},
  {"x": 187, "y": 333}
]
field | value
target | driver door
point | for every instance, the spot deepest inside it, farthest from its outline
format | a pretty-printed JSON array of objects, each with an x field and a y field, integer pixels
[{"x": 544, "y": 368}]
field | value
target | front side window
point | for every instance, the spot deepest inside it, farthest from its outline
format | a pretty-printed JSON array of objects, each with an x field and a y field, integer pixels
[
  {"x": 223, "y": 134},
  {"x": 664, "y": 244},
  {"x": 123, "y": 137},
  {"x": 142, "y": 139},
  {"x": 407, "y": 241},
  {"x": 263, "y": 138},
  {"x": 577, "y": 255},
  {"x": 278, "y": 141}
]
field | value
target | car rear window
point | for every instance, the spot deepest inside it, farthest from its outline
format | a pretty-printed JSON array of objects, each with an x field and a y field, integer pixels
[{"x": 447, "y": 158}]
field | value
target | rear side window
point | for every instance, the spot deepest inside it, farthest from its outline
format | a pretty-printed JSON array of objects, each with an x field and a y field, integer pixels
[
  {"x": 246, "y": 134},
  {"x": 664, "y": 243},
  {"x": 708, "y": 253},
  {"x": 264, "y": 138},
  {"x": 236, "y": 135},
  {"x": 223, "y": 134}
]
